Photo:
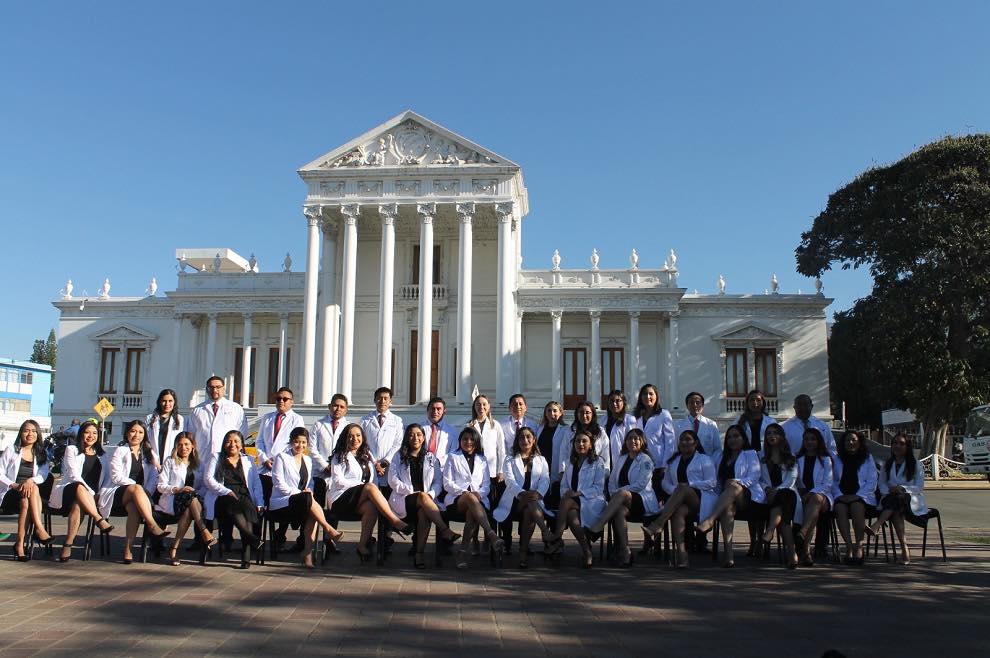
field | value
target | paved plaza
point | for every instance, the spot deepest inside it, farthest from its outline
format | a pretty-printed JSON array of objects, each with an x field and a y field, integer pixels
[{"x": 345, "y": 608}]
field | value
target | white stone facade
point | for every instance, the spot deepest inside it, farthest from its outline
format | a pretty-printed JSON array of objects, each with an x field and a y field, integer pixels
[{"x": 406, "y": 207}]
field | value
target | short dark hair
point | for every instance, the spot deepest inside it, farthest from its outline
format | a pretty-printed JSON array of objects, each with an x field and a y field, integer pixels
[
  {"x": 692, "y": 394},
  {"x": 216, "y": 377},
  {"x": 517, "y": 395},
  {"x": 286, "y": 389},
  {"x": 339, "y": 396},
  {"x": 433, "y": 400},
  {"x": 381, "y": 390}
]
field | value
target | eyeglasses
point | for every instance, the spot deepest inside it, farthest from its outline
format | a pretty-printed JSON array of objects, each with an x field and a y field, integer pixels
[
  {"x": 215, "y": 386},
  {"x": 284, "y": 399}
]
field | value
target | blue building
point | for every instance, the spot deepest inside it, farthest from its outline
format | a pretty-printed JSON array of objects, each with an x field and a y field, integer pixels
[{"x": 25, "y": 392}]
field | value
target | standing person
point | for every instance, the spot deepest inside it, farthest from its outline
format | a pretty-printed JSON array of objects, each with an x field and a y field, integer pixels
[
  {"x": 779, "y": 476},
  {"x": 815, "y": 470},
  {"x": 75, "y": 495},
  {"x": 178, "y": 485},
  {"x": 754, "y": 419},
  {"x": 383, "y": 431},
  {"x": 631, "y": 487},
  {"x": 23, "y": 474},
  {"x": 738, "y": 476},
  {"x": 416, "y": 479},
  {"x": 795, "y": 427},
  {"x": 493, "y": 449},
  {"x": 515, "y": 420},
  {"x": 210, "y": 421},
  {"x": 690, "y": 483},
  {"x": 465, "y": 483},
  {"x": 854, "y": 486},
  {"x": 292, "y": 490},
  {"x": 582, "y": 495},
  {"x": 164, "y": 424},
  {"x": 234, "y": 493},
  {"x": 527, "y": 480},
  {"x": 128, "y": 485},
  {"x": 902, "y": 491},
  {"x": 274, "y": 431},
  {"x": 325, "y": 433},
  {"x": 704, "y": 428},
  {"x": 586, "y": 420},
  {"x": 618, "y": 422},
  {"x": 440, "y": 435},
  {"x": 658, "y": 426},
  {"x": 552, "y": 440}
]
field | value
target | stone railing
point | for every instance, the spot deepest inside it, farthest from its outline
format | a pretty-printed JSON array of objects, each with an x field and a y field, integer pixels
[
  {"x": 738, "y": 405},
  {"x": 661, "y": 278},
  {"x": 125, "y": 401},
  {"x": 240, "y": 281},
  {"x": 410, "y": 292}
]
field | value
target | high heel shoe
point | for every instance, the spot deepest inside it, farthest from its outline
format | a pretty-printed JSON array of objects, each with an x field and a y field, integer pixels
[
  {"x": 20, "y": 557},
  {"x": 209, "y": 541},
  {"x": 334, "y": 534},
  {"x": 47, "y": 543},
  {"x": 63, "y": 557},
  {"x": 403, "y": 531},
  {"x": 162, "y": 534},
  {"x": 108, "y": 529},
  {"x": 628, "y": 562},
  {"x": 451, "y": 536},
  {"x": 127, "y": 560},
  {"x": 307, "y": 561},
  {"x": 590, "y": 535},
  {"x": 173, "y": 559},
  {"x": 460, "y": 560},
  {"x": 419, "y": 561},
  {"x": 589, "y": 560},
  {"x": 364, "y": 556}
]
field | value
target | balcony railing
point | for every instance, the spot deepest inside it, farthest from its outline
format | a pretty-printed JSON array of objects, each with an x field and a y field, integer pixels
[
  {"x": 126, "y": 402},
  {"x": 410, "y": 292},
  {"x": 736, "y": 405}
]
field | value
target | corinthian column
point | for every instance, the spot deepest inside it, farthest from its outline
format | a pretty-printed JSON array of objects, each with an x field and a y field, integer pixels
[
  {"x": 388, "y": 213},
  {"x": 505, "y": 316},
  {"x": 424, "y": 353},
  {"x": 465, "y": 213},
  {"x": 313, "y": 216},
  {"x": 350, "y": 213}
]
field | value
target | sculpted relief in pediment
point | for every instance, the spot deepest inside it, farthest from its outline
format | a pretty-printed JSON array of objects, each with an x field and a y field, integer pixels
[{"x": 408, "y": 144}]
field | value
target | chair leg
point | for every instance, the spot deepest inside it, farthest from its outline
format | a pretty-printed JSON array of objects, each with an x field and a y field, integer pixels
[
  {"x": 144, "y": 544},
  {"x": 715, "y": 530},
  {"x": 88, "y": 544},
  {"x": 29, "y": 532},
  {"x": 380, "y": 547},
  {"x": 941, "y": 537},
  {"x": 924, "y": 538}
]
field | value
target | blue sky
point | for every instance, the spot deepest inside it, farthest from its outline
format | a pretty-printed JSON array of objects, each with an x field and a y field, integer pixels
[{"x": 715, "y": 129}]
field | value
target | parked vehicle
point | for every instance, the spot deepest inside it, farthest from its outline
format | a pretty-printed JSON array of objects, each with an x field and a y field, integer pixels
[{"x": 976, "y": 441}]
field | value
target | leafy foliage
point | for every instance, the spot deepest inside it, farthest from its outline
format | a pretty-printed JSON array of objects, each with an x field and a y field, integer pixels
[{"x": 45, "y": 351}]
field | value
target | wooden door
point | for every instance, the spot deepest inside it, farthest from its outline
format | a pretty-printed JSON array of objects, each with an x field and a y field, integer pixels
[
  {"x": 414, "y": 363},
  {"x": 575, "y": 376},
  {"x": 613, "y": 372}
]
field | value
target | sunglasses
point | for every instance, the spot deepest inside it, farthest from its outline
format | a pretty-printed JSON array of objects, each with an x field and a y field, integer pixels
[{"x": 284, "y": 399}]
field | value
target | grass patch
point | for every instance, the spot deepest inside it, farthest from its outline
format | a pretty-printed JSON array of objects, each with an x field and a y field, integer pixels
[{"x": 977, "y": 539}]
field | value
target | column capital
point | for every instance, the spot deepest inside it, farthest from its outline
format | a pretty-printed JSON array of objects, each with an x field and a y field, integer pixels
[
  {"x": 247, "y": 315},
  {"x": 520, "y": 312},
  {"x": 504, "y": 210},
  {"x": 284, "y": 315},
  {"x": 556, "y": 314},
  {"x": 212, "y": 316},
  {"x": 634, "y": 315},
  {"x": 389, "y": 212},
  {"x": 313, "y": 214},
  {"x": 465, "y": 211},
  {"x": 426, "y": 211},
  {"x": 595, "y": 315},
  {"x": 350, "y": 211}
]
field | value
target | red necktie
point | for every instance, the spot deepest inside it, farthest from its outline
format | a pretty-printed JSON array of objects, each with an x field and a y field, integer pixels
[
  {"x": 695, "y": 424},
  {"x": 518, "y": 425},
  {"x": 333, "y": 424},
  {"x": 381, "y": 419},
  {"x": 215, "y": 407},
  {"x": 433, "y": 439},
  {"x": 278, "y": 425}
]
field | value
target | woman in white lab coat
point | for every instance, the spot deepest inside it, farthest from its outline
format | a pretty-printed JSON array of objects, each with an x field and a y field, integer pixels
[
  {"x": 690, "y": 485},
  {"x": 902, "y": 491},
  {"x": 754, "y": 419},
  {"x": 75, "y": 494},
  {"x": 738, "y": 476},
  {"x": 466, "y": 484},
  {"x": 129, "y": 483},
  {"x": 854, "y": 487},
  {"x": 233, "y": 493},
  {"x": 178, "y": 484},
  {"x": 527, "y": 480},
  {"x": 23, "y": 473},
  {"x": 164, "y": 425},
  {"x": 292, "y": 491},
  {"x": 582, "y": 495},
  {"x": 658, "y": 426},
  {"x": 778, "y": 477},
  {"x": 814, "y": 464},
  {"x": 586, "y": 420},
  {"x": 552, "y": 440},
  {"x": 352, "y": 488},
  {"x": 631, "y": 490},
  {"x": 415, "y": 479},
  {"x": 618, "y": 422}
]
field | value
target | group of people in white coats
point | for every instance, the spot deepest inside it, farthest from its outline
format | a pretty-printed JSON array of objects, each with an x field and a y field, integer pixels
[{"x": 550, "y": 475}]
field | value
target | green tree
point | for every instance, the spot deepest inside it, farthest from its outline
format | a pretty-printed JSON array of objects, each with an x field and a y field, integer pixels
[
  {"x": 45, "y": 351},
  {"x": 922, "y": 226}
]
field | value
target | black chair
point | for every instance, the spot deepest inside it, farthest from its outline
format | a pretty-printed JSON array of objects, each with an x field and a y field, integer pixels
[
  {"x": 644, "y": 520},
  {"x": 917, "y": 521},
  {"x": 747, "y": 515},
  {"x": 335, "y": 518},
  {"x": 451, "y": 514}
]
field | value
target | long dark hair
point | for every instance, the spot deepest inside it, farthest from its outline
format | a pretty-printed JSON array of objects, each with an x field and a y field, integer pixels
[
  {"x": 822, "y": 452},
  {"x": 146, "y": 450},
  {"x": 782, "y": 455},
  {"x": 856, "y": 459},
  {"x": 593, "y": 428},
  {"x": 697, "y": 445},
  {"x": 193, "y": 454},
  {"x": 617, "y": 393},
  {"x": 175, "y": 406},
  {"x": 575, "y": 457},
  {"x": 745, "y": 417},
  {"x": 97, "y": 447},
  {"x": 232, "y": 434},
  {"x": 641, "y": 408},
  {"x": 475, "y": 435},
  {"x": 405, "y": 451},
  {"x": 624, "y": 450},
  {"x": 515, "y": 442},
  {"x": 340, "y": 450},
  {"x": 723, "y": 464},
  {"x": 38, "y": 449},
  {"x": 910, "y": 462}
]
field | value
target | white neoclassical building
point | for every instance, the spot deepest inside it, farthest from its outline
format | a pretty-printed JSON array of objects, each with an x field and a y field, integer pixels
[{"x": 412, "y": 279}]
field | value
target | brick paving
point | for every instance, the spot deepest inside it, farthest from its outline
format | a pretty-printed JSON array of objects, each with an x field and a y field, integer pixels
[{"x": 345, "y": 608}]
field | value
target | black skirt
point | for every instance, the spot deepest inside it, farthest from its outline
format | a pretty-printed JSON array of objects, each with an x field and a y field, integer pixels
[
  {"x": 182, "y": 501},
  {"x": 69, "y": 497},
  {"x": 347, "y": 503},
  {"x": 11, "y": 502},
  {"x": 298, "y": 509},
  {"x": 636, "y": 507},
  {"x": 899, "y": 503},
  {"x": 786, "y": 500},
  {"x": 226, "y": 507},
  {"x": 412, "y": 509},
  {"x": 118, "y": 509}
]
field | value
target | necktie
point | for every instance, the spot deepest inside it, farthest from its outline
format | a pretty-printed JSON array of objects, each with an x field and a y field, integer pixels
[
  {"x": 381, "y": 419},
  {"x": 215, "y": 408},
  {"x": 433, "y": 439},
  {"x": 333, "y": 425},
  {"x": 696, "y": 424},
  {"x": 518, "y": 425},
  {"x": 278, "y": 425}
]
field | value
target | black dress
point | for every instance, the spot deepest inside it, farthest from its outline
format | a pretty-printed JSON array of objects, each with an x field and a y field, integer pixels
[
  {"x": 92, "y": 472},
  {"x": 346, "y": 504},
  {"x": 412, "y": 500},
  {"x": 25, "y": 471},
  {"x": 232, "y": 477},
  {"x": 636, "y": 508},
  {"x": 297, "y": 511},
  {"x": 785, "y": 499},
  {"x": 182, "y": 500},
  {"x": 137, "y": 474}
]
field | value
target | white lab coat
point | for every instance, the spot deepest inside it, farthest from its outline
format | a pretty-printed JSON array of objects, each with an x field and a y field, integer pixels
[
  {"x": 515, "y": 477},
  {"x": 400, "y": 481},
  {"x": 72, "y": 465},
  {"x": 823, "y": 474},
  {"x": 601, "y": 443},
  {"x": 659, "y": 431},
  {"x": 215, "y": 488},
  {"x": 285, "y": 479},
  {"x": 117, "y": 474},
  {"x": 767, "y": 420},
  {"x": 788, "y": 480},
  {"x": 446, "y": 438},
  {"x": 492, "y": 445},
  {"x": 323, "y": 439},
  {"x": 384, "y": 441},
  {"x": 866, "y": 475},
  {"x": 209, "y": 430},
  {"x": 459, "y": 479},
  {"x": 701, "y": 475},
  {"x": 174, "y": 475},
  {"x": 346, "y": 474},
  {"x": 898, "y": 478},
  {"x": 152, "y": 421},
  {"x": 591, "y": 487},
  {"x": 748, "y": 474},
  {"x": 269, "y": 446},
  {"x": 509, "y": 431},
  {"x": 640, "y": 481},
  {"x": 794, "y": 433},
  {"x": 617, "y": 437},
  {"x": 711, "y": 438},
  {"x": 10, "y": 462},
  {"x": 561, "y": 450}
]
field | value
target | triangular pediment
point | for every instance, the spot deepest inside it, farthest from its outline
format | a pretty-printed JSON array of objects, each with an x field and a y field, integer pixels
[
  {"x": 752, "y": 332},
  {"x": 407, "y": 140},
  {"x": 123, "y": 332}
]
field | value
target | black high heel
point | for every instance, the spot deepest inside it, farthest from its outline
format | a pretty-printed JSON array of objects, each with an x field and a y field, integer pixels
[
  {"x": 363, "y": 556},
  {"x": 404, "y": 532},
  {"x": 628, "y": 563},
  {"x": 419, "y": 561},
  {"x": 108, "y": 529},
  {"x": 592, "y": 537},
  {"x": 47, "y": 543},
  {"x": 63, "y": 557}
]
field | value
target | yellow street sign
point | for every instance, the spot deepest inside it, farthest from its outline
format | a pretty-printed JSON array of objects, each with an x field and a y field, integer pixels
[{"x": 103, "y": 408}]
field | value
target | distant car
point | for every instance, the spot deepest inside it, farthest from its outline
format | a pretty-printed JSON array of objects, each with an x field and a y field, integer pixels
[{"x": 976, "y": 441}]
